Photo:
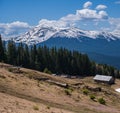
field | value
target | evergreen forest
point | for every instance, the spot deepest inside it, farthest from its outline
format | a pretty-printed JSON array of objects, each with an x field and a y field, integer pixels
[{"x": 52, "y": 60}]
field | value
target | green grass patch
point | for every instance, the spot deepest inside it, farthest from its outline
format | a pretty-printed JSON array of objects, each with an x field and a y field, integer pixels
[
  {"x": 68, "y": 92},
  {"x": 101, "y": 101},
  {"x": 36, "y": 107},
  {"x": 92, "y": 97},
  {"x": 85, "y": 91}
]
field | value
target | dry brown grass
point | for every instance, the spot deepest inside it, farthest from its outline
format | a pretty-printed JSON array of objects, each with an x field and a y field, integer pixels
[{"x": 22, "y": 92}]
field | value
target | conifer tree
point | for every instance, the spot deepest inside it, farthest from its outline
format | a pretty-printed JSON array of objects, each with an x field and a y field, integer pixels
[
  {"x": 59, "y": 61},
  {"x": 2, "y": 54},
  {"x": 11, "y": 53}
]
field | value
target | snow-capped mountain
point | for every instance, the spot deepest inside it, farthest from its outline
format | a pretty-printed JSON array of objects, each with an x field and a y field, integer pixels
[
  {"x": 41, "y": 33},
  {"x": 35, "y": 35},
  {"x": 102, "y": 47}
]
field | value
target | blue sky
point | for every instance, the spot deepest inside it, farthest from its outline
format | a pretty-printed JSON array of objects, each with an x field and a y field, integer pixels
[{"x": 20, "y": 15}]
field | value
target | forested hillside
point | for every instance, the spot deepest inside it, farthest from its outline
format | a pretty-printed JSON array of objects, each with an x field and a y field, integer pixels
[{"x": 52, "y": 60}]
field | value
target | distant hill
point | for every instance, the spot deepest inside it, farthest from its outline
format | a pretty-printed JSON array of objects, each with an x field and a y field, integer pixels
[{"x": 101, "y": 58}]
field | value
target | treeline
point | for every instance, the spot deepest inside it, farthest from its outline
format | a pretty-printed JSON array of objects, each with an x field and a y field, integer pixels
[{"x": 52, "y": 60}]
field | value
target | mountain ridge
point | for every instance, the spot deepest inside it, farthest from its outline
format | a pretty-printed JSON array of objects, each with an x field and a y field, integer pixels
[
  {"x": 100, "y": 42},
  {"x": 42, "y": 33}
]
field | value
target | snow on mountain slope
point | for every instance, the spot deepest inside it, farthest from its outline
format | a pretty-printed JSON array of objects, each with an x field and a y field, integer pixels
[
  {"x": 43, "y": 32},
  {"x": 35, "y": 35}
]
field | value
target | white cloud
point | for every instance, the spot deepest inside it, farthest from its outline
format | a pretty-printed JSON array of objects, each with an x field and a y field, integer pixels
[
  {"x": 50, "y": 23},
  {"x": 115, "y": 23},
  {"x": 85, "y": 14},
  {"x": 103, "y": 15},
  {"x": 82, "y": 17},
  {"x": 117, "y": 2},
  {"x": 8, "y": 29},
  {"x": 87, "y": 4},
  {"x": 87, "y": 17},
  {"x": 101, "y": 7}
]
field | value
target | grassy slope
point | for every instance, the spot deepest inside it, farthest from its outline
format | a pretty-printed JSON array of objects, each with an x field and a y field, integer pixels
[{"x": 23, "y": 92}]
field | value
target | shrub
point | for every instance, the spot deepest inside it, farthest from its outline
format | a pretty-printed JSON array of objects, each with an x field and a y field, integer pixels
[
  {"x": 36, "y": 107},
  {"x": 2, "y": 76},
  {"x": 92, "y": 97},
  {"x": 68, "y": 92},
  {"x": 47, "y": 71},
  {"x": 30, "y": 76},
  {"x": 48, "y": 107},
  {"x": 101, "y": 101},
  {"x": 10, "y": 69},
  {"x": 14, "y": 69},
  {"x": 85, "y": 91}
]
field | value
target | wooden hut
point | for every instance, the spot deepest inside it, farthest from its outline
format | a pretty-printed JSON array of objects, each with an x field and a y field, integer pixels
[{"x": 104, "y": 79}]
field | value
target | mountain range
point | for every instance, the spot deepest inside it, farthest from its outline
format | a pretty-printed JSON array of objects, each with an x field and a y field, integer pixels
[{"x": 101, "y": 46}]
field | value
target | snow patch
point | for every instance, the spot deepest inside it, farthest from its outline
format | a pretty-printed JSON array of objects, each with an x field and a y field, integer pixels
[{"x": 118, "y": 90}]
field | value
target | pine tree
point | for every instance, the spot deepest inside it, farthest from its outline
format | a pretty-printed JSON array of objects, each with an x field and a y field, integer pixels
[
  {"x": 11, "y": 53},
  {"x": 26, "y": 57},
  {"x": 20, "y": 54},
  {"x": 2, "y": 54},
  {"x": 33, "y": 56}
]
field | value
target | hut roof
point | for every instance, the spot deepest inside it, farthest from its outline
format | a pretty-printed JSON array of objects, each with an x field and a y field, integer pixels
[{"x": 102, "y": 78}]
